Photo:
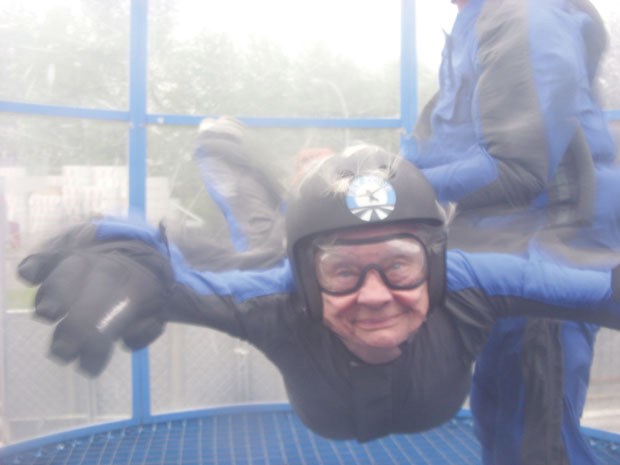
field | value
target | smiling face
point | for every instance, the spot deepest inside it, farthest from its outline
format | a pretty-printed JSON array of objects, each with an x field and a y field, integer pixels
[{"x": 374, "y": 319}]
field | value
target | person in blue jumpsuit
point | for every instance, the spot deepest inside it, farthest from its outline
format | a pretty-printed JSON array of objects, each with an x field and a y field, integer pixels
[
  {"x": 516, "y": 137},
  {"x": 372, "y": 324},
  {"x": 249, "y": 200}
]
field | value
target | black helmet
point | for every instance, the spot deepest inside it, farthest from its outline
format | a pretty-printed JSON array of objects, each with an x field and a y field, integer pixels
[{"x": 362, "y": 186}]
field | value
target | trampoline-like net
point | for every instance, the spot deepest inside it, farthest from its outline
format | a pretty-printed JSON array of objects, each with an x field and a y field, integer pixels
[{"x": 266, "y": 438}]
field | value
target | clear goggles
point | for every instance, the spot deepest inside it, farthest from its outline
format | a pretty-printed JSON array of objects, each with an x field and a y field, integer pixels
[{"x": 341, "y": 266}]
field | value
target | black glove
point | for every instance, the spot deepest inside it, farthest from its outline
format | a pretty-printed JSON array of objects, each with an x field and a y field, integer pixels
[{"x": 98, "y": 292}]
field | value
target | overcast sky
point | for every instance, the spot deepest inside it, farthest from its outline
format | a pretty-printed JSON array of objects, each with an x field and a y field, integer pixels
[{"x": 366, "y": 30}]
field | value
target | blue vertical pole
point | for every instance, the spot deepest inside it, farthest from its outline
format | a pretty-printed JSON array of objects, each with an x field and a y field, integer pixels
[
  {"x": 408, "y": 69},
  {"x": 137, "y": 176}
]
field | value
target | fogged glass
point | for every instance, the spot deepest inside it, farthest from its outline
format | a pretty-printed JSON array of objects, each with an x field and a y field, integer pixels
[
  {"x": 433, "y": 21},
  {"x": 60, "y": 171},
  {"x": 276, "y": 151},
  {"x": 195, "y": 367},
  {"x": 54, "y": 172},
  {"x": 72, "y": 53},
  {"x": 609, "y": 84},
  {"x": 269, "y": 58},
  {"x": 433, "y": 18},
  {"x": 274, "y": 58}
]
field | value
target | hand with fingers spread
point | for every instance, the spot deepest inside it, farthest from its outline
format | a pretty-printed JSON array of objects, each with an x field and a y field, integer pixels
[{"x": 96, "y": 293}]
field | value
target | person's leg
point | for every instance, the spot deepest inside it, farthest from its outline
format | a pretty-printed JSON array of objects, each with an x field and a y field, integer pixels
[
  {"x": 250, "y": 202},
  {"x": 528, "y": 393},
  {"x": 578, "y": 346},
  {"x": 497, "y": 394},
  {"x": 249, "y": 199}
]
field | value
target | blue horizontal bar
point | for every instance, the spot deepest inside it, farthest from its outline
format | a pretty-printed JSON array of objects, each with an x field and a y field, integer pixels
[
  {"x": 602, "y": 435},
  {"x": 64, "y": 436},
  {"x": 613, "y": 115},
  {"x": 267, "y": 407},
  {"x": 72, "y": 434},
  {"x": 187, "y": 120},
  {"x": 67, "y": 436},
  {"x": 370, "y": 123},
  {"x": 70, "y": 112}
]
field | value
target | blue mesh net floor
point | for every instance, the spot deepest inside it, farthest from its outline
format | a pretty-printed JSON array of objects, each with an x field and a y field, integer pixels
[{"x": 265, "y": 438}]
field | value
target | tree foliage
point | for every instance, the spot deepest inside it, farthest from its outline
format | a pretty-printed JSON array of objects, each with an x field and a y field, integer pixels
[{"x": 77, "y": 54}]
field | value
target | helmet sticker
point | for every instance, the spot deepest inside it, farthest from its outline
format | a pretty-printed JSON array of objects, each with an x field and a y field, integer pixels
[{"x": 370, "y": 198}]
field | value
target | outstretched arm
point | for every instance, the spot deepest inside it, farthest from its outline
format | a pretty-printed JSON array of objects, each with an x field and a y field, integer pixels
[
  {"x": 114, "y": 279},
  {"x": 508, "y": 285}
]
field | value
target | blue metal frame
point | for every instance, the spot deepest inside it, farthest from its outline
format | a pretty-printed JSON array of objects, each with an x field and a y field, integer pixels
[
  {"x": 138, "y": 51},
  {"x": 69, "y": 112},
  {"x": 138, "y": 119},
  {"x": 268, "y": 408},
  {"x": 408, "y": 67},
  {"x": 66, "y": 436}
]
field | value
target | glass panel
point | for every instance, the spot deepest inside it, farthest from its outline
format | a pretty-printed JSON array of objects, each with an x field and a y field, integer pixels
[
  {"x": 435, "y": 17},
  {"x": 170, "y": 158},
  {"x": 65, "y": 52},
  {"x": 433, "y": 21},
  {"x": 61, "y": 170},
  {"x": 610, "y": 67},
  {"x": 274, "y": 58},
  {"x": 54, "y": 172},
  {"x": 193, "y": 367},
  {"x": 176, "y": 191}
]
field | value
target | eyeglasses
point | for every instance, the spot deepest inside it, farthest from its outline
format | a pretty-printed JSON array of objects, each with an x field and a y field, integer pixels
[{"x": 342, "y": 265}]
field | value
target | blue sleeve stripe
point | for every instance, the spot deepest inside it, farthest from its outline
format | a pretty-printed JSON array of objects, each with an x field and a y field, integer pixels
[
  {"x": 236, "y": 232},
  {"x": 241, "y": 285},
  {"x": 512, "y": 276}
]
